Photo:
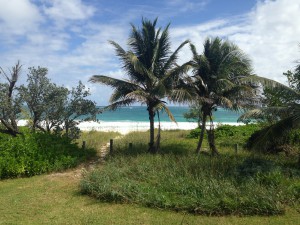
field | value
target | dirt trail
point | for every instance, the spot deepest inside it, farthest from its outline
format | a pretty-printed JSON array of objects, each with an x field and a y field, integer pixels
[{"x": 76, "y": 173}]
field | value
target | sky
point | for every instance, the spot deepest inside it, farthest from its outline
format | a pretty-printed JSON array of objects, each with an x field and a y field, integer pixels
[{"x": 70, "y": 37}]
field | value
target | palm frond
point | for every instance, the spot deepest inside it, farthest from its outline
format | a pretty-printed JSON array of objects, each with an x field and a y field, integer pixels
[
  {"x": 119, "y": 50},
  {"x": 267, "y": 83},
  {"x": 113, "y": 82},
  {"x": 138, "y": 95},
  {"x": 194, "y": 50},
  {"x": 172, "y": 59},
  {"x": 181, "y": 95},
  {"x": 224, "y": 102},
  {"x": 223, "y": 85},
  {"x": 162, "y": 106},
  {"x": 115, "y": 105},
  {"x": 260, "y": 113}
]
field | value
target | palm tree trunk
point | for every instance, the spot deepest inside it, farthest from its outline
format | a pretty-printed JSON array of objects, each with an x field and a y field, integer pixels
[
  {"x": 203, "y": 128},
  {"x": 211, "y": 138},
  {"x": 151, "y": 119},
  {"x": 157, "y": 143}
]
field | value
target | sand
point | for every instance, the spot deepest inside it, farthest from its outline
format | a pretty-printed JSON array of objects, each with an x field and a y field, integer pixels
[{"x": 127, "y": 127}]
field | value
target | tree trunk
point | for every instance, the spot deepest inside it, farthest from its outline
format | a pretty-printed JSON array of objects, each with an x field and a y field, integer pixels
[
  {"x": 157, "y": 143},
  {"x": 67, "y": 127},
  {"x": 203, "y": 128},
  {"x": 151, "y": 119},
  {"x": 211, "y": 138},
  {"x": 34, "y": 123},
  {"x": 9, "y": 129}
]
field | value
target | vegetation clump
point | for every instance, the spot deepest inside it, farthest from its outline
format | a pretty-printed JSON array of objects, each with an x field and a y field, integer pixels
[
  {"x": 35, "y": 153},
  {"x": 240, "y": 134}
]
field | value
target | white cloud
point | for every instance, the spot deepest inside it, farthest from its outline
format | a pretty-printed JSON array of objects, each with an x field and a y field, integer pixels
[
  {"x": 69, "y": 10},
  {"x": 184, "y": 5},
  {"x": 269, "y": 34},
  {"x": 18, "y": 17},
  {"x": 272, "y": 37}
]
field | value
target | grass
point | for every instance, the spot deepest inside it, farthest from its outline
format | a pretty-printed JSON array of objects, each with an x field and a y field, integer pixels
[
  {"x": 178, "y": 180},
  {"x": 95, "y": 139},
  {"x": 55, "y": 199}
]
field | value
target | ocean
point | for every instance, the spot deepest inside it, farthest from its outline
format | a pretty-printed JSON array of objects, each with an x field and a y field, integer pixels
[{"x": 140, "y": 114}]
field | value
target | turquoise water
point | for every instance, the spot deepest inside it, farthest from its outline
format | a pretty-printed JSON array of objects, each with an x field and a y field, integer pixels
[{"x": 140, "y": 114}]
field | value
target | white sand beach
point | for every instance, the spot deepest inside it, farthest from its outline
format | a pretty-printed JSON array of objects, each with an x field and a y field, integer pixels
[{"x": 127, "y": 127}]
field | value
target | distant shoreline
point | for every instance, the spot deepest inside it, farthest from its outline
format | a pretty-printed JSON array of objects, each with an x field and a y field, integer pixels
[{"x": 130, "y": 126}]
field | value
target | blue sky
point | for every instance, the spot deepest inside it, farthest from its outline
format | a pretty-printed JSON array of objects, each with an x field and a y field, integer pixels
[{"x": 70, "y": 37}]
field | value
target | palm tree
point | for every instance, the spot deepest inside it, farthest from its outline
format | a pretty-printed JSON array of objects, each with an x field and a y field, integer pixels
[
  {"x": 215, "y": 83},
  {"x": 151, "y": 69}
]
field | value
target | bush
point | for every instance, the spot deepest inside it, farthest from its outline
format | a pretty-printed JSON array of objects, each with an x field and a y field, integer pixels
[
  {"x": 195, "y": 133},
  {"x": 225, "y": 132},
  {"x": 287, "y": 143},
  {"x": 36, "y": 153}
]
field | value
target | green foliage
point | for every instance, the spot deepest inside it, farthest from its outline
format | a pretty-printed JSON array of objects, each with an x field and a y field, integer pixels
[
  {"x": 179, "y": 181},
  {"x": 200, "y": 185},
  {"x": 195, "y": 133},
  {"x": 217, "y": 82},
  {"x": 39, "y": 94},
  {"x": 36, "y": 153},
  {"x": 281, "y": 111},
  {"x": 54, "y": 107},
  {"x": 285, "y": 143},
  {"x": 237, "y": 134},
  {"x": 194, "y": 114},
  {"x": 151, "y": 69}
]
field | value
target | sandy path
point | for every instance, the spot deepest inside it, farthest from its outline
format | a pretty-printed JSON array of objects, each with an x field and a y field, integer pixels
[{"x": 76, "y": 173}]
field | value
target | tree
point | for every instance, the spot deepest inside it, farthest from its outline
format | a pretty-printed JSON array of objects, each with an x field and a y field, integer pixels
[
  {"x": 215, "y": 82},
  {"x": 10, "y": 106},
  {"x": 44, "y": 99},
  {"x": 194, "y": 114},
  {"x": 53, "y": 107},
  {"x": 151, "y": 69},
  {"x": 77, "y": 109}
]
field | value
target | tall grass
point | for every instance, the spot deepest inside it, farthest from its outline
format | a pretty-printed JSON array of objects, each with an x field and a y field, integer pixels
[
  {"x": 202, "y": 185},
  {"x": 95, "y": 139},
  {"x": 177, "y": 179}
]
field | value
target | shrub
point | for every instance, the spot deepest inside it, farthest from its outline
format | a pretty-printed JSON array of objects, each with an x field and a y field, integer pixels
[
  {"x": 35, "y": 153},
  {"x": 195, "y": 133},
  {"x": 237, "y": 133},
  {"x": 288, "y": 143}
]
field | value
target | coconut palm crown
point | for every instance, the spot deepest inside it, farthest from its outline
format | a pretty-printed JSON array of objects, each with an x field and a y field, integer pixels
[{"x": 151, "y": 69}]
